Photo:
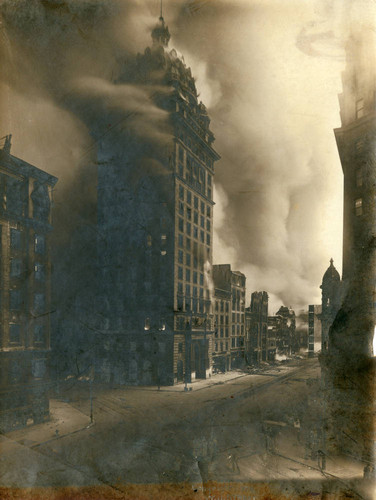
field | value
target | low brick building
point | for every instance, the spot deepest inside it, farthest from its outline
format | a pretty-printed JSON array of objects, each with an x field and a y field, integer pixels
[
  {"x": 222, "y": 326},
  {"x": 233, "y": 283}
]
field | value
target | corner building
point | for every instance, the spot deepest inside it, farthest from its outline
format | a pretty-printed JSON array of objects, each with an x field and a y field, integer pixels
[
  {"x": 155, "y": 226},
  {"x": 25, "y": 290},
  {"x": 348, "y": 363}
]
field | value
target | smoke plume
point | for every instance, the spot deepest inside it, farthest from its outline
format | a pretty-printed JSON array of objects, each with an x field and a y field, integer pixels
[{"x": 269, "y": 71}]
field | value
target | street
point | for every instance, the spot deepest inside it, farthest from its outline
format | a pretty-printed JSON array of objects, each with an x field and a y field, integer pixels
[{"x": 241, "y": 430}]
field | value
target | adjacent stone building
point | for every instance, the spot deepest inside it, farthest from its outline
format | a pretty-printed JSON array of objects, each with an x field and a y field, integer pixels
[
  {"x": 222, "y": 329},
  {"x": 233, "y": 282},
  {"x": 155, "y": 226},
  {"x": 348, "y": 365},
  {"x": 285, "y": 328},
  {"x": 315, "y": 340},
  {"x": 257, "y": 343},
  {"x": 25, "y": 292}
]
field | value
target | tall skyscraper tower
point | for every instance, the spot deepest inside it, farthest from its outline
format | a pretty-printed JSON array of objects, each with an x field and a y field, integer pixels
[
  {"x": 348, "y": 365},
  {"x": 155, "y": 226}
]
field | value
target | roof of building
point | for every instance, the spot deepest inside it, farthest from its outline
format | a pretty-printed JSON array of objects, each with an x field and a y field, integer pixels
[
  {"x": 160, "y": 33},
  {"x": 17, "y": 166},
  {"x": 331, "y": 274}
]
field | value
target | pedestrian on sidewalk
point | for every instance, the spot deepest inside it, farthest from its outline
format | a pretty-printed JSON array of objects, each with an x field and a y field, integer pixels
[
  {"x": 232, "y": 458},
  {"x": 321, "y": 459}
]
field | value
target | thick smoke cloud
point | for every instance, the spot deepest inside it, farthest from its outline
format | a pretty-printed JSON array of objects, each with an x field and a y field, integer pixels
[
  {"x": 269, "y": 72},
  {"x": 60, "y": 60},
  {"x": 275, "y": 68}
]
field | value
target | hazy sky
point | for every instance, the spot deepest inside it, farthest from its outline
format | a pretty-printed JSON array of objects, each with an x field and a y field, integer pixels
[{"x": 269, "y": 72}]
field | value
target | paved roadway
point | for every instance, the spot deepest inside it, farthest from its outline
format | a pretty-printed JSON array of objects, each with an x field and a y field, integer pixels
[
  {"x": 216, "y": 433},
  {"x": 143, "y": 435}
]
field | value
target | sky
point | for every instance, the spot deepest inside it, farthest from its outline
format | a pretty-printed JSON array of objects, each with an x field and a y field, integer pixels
[{"x": 269, "y": 72}]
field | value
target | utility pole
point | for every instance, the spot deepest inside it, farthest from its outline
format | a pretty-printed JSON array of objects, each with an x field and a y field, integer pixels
[{"x": 91, "y": 393}]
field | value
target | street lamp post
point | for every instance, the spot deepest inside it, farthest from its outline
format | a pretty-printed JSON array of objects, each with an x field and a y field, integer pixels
[{"x": 188, "y": 335}]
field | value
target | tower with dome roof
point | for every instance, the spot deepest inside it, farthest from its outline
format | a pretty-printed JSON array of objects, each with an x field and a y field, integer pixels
[{"x": 330, "y": 303}]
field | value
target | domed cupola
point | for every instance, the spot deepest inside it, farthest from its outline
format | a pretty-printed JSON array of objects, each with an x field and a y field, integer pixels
[{"x": 331, "y": 274}]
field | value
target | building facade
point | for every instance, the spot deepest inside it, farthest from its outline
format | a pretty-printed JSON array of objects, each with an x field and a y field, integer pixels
[
  {"x": 155, "y": 225},
  {"x": 233, "y": 282},
  {"x": 348, "y": 365},
  {"x": 285, "y": 328},
  {"x": 25, "y": 227},
  {"x": 332, "y": 294},
  {"x": 256, "y": 317},
  {"x": 314, "y": 330},
  {"x": 222, "y": 328}
]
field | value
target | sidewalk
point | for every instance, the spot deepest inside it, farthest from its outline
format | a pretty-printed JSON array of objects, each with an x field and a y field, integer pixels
[
  {"x": 64, "y": 420},
  {"x": 195, "y": 385},
  {"x": 218, "y": 379},
  {"x": 285, "y": 465}
]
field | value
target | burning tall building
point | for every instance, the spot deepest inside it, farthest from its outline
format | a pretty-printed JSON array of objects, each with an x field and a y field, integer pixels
[{"x": 155, "y": 226}]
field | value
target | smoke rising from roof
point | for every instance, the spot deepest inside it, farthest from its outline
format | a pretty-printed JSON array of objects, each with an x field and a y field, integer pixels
[
  {"x": 269, "y": 72},
  {"x": 277, "y": 72}
]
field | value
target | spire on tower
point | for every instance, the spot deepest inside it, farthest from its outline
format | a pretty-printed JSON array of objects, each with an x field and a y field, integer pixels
[{"x": 160, "y": 33}]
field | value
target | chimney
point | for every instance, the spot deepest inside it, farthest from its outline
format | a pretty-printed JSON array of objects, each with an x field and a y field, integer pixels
[{"x": 7, "y": 144}]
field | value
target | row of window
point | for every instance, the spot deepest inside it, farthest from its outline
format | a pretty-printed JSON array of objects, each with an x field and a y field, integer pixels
[
  {"x": 188, "y": 242},
  {"x": 186, "y": 195},
  {"x": 196, "y": 291},
  {"x": 238, "y": 299},
  {"x": 221, "y": 320},
  {"x": 149, "y": 240},
  {"x": 14, "y": 197},
  {"x": 222, "y": 305},
  {"x": 195, "y": 175},
  {"x": 15, "y": 334},
  {"x": 237, "y": 342},
  {"x": 192, "y": 145},
  {"x": 237, "y": 330},
  {"x": 219, "y": 346},
  {"x": 204, "y": 223},
  {"x": 16, "y": 266},
  {"x": 16, "y": 237},
  {"x": 237, "y": 317},
  {"x": 161, "y": 324},
  {"x": 188, "y": 260},
  {"x": 194, "y": 304},
  {"x": 16, "y": 301},
  {"x": 186, "y": 211},
  {"x": 197, "y": 234},
  {"x": 220, "y": 332},
  {"x": 197, "y": 278}
]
